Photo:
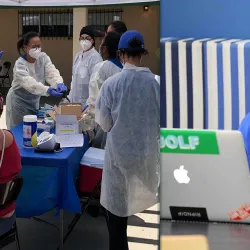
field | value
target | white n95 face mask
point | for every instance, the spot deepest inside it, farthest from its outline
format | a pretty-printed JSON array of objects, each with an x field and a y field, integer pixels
[
  {"x": 35, "y": 53},
  {"x": 86, "y": 45}
]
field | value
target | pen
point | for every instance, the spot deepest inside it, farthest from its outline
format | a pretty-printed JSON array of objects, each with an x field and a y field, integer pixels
[
  {"x": 65, "y": 95},
  {"x": 85, "y": 108}
]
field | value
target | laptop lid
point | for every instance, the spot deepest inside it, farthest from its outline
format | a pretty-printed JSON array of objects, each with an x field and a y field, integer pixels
[{"x": 204, "y": 176}]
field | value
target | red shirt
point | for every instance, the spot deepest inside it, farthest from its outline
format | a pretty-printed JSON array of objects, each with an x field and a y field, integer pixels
[{"x": 11, "y": 166}]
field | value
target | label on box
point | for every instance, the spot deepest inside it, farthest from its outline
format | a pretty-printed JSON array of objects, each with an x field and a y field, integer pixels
[
  {"x": 66, "y": 128},
  {"x": 189, "y": 213},
  {"x": 66, "y": 125}
]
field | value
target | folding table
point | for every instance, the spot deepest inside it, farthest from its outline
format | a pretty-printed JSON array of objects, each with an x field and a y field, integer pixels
[{"x": 49, "y": 181}]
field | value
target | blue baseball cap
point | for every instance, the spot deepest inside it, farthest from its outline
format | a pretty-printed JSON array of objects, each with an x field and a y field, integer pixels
[{"x": 127, "y": 37}]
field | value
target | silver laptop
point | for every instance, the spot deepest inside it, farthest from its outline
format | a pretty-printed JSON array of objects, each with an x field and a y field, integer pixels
[{"x": 204, "y": 176}]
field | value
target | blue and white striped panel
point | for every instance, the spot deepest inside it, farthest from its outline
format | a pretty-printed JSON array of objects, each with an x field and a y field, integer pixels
[
  {"x": 182, "y": 76},
  {"x": 244, "y": 78},
  {"x": 205, "y": 83},
  {"x": 212, "y": 83},
  {"x": 198, "y": 83},
  {"x": 228, "y": 98},
  {"x": 166, "y": 81}
]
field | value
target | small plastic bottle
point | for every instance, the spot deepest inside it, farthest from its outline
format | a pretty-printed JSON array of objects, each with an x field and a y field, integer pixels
[{"x": 30, "y": 131}]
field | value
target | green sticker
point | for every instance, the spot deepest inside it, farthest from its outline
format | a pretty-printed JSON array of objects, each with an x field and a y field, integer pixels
[{"x": 189, "y": 142}]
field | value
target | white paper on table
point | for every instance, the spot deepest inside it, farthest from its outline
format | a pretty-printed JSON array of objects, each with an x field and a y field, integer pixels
[
  {"x": 67, "y": 125},
  {"x": 70, "y": 141}
]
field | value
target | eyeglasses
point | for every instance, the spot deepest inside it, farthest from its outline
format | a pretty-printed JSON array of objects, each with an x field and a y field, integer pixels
[
  {"x": 87, "y": 38},
  {"x": 39, "y": 46}
]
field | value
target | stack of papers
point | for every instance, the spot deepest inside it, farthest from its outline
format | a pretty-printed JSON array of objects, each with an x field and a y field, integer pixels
[
  {"x": 94, "y": 157},
  {"x": 70, "y": 141}
]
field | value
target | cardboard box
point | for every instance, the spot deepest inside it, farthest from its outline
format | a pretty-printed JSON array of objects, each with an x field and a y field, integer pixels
[
  {"x": 69, "y": 118},
  {"x": 71, "y": 109}
]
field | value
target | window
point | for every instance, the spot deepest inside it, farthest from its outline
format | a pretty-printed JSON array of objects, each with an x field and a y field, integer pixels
[
  {"x": 100, "y": 19},
  {"x": 54, "y": 23},
  {"x": 59, "y": 23}
]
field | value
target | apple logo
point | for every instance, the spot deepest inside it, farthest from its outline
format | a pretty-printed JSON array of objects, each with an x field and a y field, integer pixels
[{"x": 181, "y": 176}]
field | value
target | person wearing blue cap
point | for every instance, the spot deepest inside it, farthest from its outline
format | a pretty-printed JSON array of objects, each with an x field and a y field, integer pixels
[{"x": 128, "y": 109}]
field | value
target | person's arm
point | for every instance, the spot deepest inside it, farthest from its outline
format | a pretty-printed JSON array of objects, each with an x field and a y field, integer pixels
[
  {"x": 103, "y": 109},
  {"x": 14, "y": 164},
  {"x": 93, "y": 68},
  {"x": 22, "y": 77},
  {"x": 94, "y": 60},
  {"x": 70, "y": 97},
  {"x": 95, "y": 81},
  {"x": 10, "y": 169},
  {"x": 52, "y": 75},
  {"x": 93, "y": 94}
]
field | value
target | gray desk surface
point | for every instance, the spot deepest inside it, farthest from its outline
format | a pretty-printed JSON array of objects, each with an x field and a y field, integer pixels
[{"x": 220, "y": 236}]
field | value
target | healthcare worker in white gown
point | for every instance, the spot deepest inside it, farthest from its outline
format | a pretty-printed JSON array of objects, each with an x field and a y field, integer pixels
[
  {"x": 128, "y": 108},
  {"x": 102, "y": 71},
  {"x": 83, "y": 66},
  {"x": 31, "y": 72}
]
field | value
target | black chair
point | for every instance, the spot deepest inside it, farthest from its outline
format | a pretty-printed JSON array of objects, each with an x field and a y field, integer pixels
[
  {"x": 6, "y": 76},
  {"x": 9, "y": 193},
  {"x": 85, "y": 205}
]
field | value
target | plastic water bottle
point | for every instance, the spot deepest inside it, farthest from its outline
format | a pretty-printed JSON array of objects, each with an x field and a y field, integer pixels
[{"x": 29, "y": 131}]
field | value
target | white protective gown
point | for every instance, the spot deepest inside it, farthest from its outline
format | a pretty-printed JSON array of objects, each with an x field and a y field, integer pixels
[
  {"x": 101, "y": 73},
  {"x": 28, "y": 86},
  {"x": 128, "y": 108},
  {"x": 83, "y": 66}
]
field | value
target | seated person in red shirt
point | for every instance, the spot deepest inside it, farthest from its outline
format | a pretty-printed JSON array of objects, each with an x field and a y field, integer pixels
[{"x": 10, "y": 166}]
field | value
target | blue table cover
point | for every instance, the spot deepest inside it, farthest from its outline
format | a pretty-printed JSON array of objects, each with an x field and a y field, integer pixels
[{"x": 49, "y": 179}]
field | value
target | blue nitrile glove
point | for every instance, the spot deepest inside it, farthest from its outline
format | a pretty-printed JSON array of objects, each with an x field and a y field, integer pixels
[
  {"x": 61, "y": 88},
  {"x": 53, "y": 92},
  {"x": 1, "y": 54}
]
